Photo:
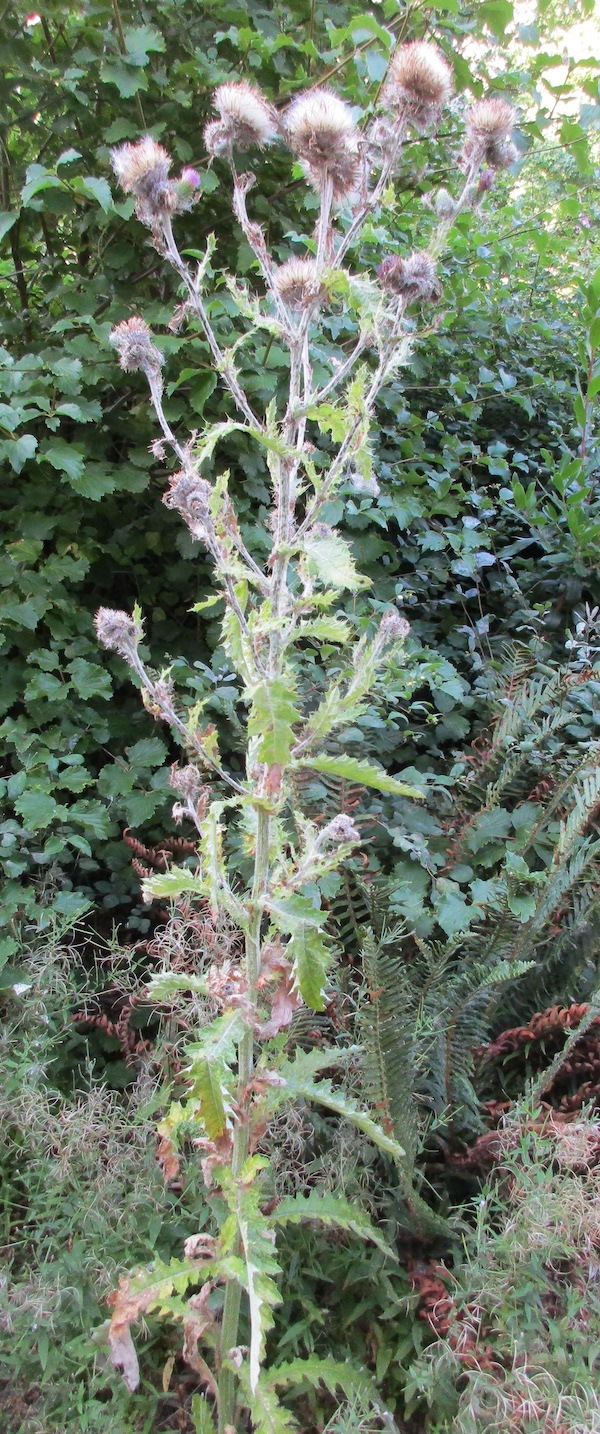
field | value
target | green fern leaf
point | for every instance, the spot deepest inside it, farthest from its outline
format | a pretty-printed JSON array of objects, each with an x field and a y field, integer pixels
[
  {"x": 357, "y": 770},
  {"x": 329, "y": 1210}
]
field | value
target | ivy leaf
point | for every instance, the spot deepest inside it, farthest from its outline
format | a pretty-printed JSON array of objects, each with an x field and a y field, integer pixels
[{"x": 357, "y": 770}]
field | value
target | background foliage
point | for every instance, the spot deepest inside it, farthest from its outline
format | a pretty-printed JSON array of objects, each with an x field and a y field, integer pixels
[
  {"x": 485, "y": 412},
  {"x": 486, "y": 529}
]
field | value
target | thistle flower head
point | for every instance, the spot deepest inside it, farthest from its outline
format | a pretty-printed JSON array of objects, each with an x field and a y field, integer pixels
[
  {"x": 487, "y": 140},
  {"x": 246, "y": 119},
  {"x": 133, "y": 341},
  {"x": 133, "y": 163},
  {"x": 143, "y": 169},
  {"x": 297, "y": 282},
  {"x": 418, "y": 83},
  {"x": 118, "y": 631},
  {"x": 340, "y": 829},
  {"x": 190, "y": 495},
  {"x": 185, "y": 780},
  {"x": 413, "y": 278},
  {"x": 322, "y": 133},
  {"x": 393, "y": 627}
]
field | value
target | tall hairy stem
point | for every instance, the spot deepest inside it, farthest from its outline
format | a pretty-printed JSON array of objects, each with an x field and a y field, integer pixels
[{"x": 233, "y": 1293}]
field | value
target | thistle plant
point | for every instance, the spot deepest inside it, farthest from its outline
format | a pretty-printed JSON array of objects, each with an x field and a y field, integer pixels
[{"x": 241, "y": 1066}]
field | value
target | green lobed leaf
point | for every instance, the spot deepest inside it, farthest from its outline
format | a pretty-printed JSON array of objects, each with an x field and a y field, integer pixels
[
  {"x": 357, "y": 770},
  {"x": 311, "y": 956},
  {"x": 329, "y": 1209}
]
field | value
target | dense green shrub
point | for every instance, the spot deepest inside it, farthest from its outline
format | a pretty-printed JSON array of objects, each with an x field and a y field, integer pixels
[{"x": 483, "y": 401}]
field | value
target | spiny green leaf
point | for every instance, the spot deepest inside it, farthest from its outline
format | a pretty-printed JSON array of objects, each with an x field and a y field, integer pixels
[
  {"x": 329, "y": 1210},
  {"x": 357, "y": 770},
  {"x": 335, "y": 1374},
  {"x": 272, "y": 716},
  {"x": 331, "y": 562},
  {"x": 311, "y": 955},
  {"x": 210, "y": 1061}
]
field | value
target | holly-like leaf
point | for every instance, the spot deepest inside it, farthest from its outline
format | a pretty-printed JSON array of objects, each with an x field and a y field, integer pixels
[
  {"x": 329, "y": 1210},
  {"x": 357, "y": 770},
  {"x": 331, "y": 563},
  {"x": 272, "y": 716}
]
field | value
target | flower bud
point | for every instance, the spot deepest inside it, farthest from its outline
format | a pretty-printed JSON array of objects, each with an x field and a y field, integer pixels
[
  {"x": 393, "y": 627},
  {"x": 118, "y": 631},
  {"x": 322, "y": 133},
  {"x": 444, "y": 204},
  {"x": 133, "y": 341},
  {"x": 185, "y": 780},
  {"x": 340, "y": 829},
  {"x": 187, "y": 187},
  {"x": 412, "y": 278},
  {"x": 418, "y": 83}
]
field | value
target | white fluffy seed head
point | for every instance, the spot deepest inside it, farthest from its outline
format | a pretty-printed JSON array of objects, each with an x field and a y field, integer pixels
[
  {"x": 297, "y": 282},
  {"x": 246, "y": 119},
  {"x": 418, "y": 82},
  {"x": 132, "y": 163},
  {"x": 319, "y": 121},
  {"x": 321, "y": 131},
  {"x": 487, "y": 138},
  {"x": 133, "y": 341},
  {"x": 493, "y": 118}
]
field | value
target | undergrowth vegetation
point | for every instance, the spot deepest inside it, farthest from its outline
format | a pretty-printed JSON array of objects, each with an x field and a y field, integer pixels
[{"x": 299, "y": 974}]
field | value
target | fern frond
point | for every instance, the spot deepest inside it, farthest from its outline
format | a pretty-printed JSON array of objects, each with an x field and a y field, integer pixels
[{"x": 387, "y": 1030}]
